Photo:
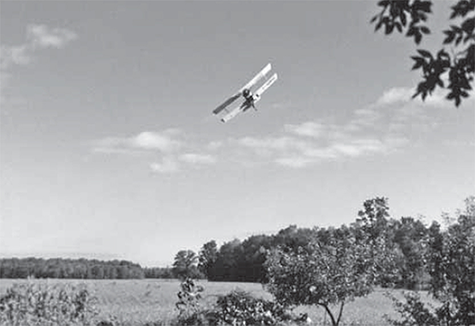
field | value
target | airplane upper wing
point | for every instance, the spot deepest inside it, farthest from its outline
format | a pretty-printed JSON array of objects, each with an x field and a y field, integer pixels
[{"x": 256, "y": 78}]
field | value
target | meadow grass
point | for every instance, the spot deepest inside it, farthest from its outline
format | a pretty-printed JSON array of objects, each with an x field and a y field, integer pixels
[{"x": 136, "y": 302}]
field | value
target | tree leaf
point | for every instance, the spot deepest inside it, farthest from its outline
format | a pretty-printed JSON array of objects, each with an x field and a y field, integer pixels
[
  {"x": 389, "y": 29},
  {"x": 418, "y": 37},
  {"x": 425, "y": 53},
  {"x": 419, "y": 62},
  {"x": 398, "y": 26},
  {"x": 403, "y": 18},
  {"x": 425, "y": 6},
  {"x": 425, "y": 30},
  {"x": 468, "y": 25},
  {"x": 450, "y": 36}
]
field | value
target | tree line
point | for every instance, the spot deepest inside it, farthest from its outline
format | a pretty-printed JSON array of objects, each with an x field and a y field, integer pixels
[
  {"x": 69, "y": 268},
  {"x": 407, "y": 241}
]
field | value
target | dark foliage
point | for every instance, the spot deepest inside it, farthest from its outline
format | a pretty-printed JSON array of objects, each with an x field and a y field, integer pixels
[
  {"x": 450, "y": 260},
  {"x": 240, "y": 308},
  {"x": 159, "y": 272},
  {"x": 457, "y": 63},
  {"x": 69, "y": 268}
]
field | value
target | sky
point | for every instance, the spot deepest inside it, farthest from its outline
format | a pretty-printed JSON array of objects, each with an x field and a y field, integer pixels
[{"x": 109, "y": 148}]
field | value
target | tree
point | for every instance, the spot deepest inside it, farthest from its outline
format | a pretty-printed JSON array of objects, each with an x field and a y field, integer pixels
[
  {"x": 457, "y": 64},
  {"x": 411, "y": 237},
  {"x": 450, "y": 260},
  {"x": 452, "y": 268},
  {"x": 333, "y": 269},
  {"x": 226, "y": 267},
  {"x": 254, "y": 252},
  {"x": 207, "y": 257},
  {"x": 185, "y": 264}
]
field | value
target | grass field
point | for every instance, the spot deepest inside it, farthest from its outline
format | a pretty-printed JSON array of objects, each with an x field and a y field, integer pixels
[{"x": 135, "y": 302}]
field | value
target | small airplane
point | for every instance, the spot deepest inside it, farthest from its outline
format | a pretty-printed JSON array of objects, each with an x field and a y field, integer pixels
[{"x": 250, "y": 98}]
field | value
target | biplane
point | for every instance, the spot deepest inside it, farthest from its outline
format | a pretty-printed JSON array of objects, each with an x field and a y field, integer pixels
[{"x": 246, "y": 93}]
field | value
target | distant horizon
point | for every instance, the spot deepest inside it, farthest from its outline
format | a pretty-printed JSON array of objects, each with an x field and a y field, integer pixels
[{"x": 169, "y": 263}]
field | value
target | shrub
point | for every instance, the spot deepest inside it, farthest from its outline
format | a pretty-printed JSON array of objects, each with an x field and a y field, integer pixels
[
  {"x": 413, "y": 311},
  {"x": 45, "y": 305},
  {"x": 190, "y": 311},
  {"x": 236, "y": 308},
  {"x": 240, "y": 308}
]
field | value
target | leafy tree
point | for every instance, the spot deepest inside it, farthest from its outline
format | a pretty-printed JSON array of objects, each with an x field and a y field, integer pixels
[
  {"x": 455, "y": 60},
  {"x": 226, "y": 267},
  {"x": 185, "y": 265},
  {"x": 411, "y": 237},
  {"x": 292, "y": 237},
  {"x": 451, "y": 264},
  {"x": 254, "y": 253},
  {"x": 373, "y": 217},
  {"x": 159, "y": 272},
  {"x": 333, "y": 269},
  {"x": 452, "y": 268},
  {"x": 207, "y": 257}
]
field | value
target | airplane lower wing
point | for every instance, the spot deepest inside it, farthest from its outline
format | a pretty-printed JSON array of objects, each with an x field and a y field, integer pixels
[
  {"x": 235, "y": 112},
  {"x": 226, "y": 103},
  {"x": 266, "y": 85}
]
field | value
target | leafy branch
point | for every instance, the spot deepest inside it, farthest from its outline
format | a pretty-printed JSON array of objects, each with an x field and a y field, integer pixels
[{"x": 410, "y": 17}]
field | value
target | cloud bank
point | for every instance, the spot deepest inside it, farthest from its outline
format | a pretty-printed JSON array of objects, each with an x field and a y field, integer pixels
[
  {"x": 169, "y": 149},
  {"x": 381, "y": 128},
  {"x": 388, "y": 125}
]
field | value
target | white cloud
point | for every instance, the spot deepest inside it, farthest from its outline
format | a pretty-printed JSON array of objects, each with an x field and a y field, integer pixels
[
  {"x": 294, "y": 162},
  {"x": 38, "y": 37},
  {"x": 147, "y": 141},
  {"x": 279, "y": 143},
  {"x": 172, "y": 153},
  {"x": 10, "y": 55},
  {"x": 43, "y": 37},
  {"x": 195, "y": 158},
  {"x": 167, "y": 165},
  {"x": 395, "y": 95},
  {"x": 215, "y": 145},
  {"x": 310, "y": 129}
]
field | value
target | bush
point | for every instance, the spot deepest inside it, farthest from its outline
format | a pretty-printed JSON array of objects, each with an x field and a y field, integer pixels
[
  {"x": 413, "y": 311},
  {"x": 240, "y": 308},
  {"x": 190, "y": 311},
  {"x": 236, "y": 308},
  {"x": 45, "y": 305}
]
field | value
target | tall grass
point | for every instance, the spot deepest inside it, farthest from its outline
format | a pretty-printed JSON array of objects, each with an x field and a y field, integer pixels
[{"x": 138, "y": 302}]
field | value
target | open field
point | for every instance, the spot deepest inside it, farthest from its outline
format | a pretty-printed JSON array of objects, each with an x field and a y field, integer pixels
[{"x": 135, "y": 302}]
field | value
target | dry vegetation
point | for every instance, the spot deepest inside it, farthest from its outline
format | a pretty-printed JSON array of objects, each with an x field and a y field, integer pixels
[{"x": 136, "y": 302}]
